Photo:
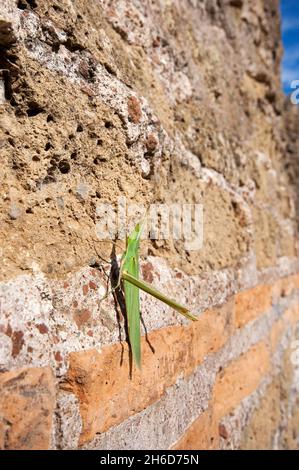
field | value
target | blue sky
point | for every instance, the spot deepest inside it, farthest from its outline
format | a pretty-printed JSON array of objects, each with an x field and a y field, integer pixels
[{"x": 290, "y": 38}]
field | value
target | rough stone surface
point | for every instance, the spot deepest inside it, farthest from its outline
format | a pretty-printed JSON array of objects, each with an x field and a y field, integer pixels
[
  {"x": 27, "y": 402},
  {"x": 79, "y": 116},
  {"x": 173, "y": 102}
]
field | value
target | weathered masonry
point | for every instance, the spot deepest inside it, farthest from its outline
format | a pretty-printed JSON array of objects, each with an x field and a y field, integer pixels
[{"x": 160, "y": 102}]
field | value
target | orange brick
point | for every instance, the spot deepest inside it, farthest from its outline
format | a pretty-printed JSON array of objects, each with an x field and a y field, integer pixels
[
  {"x": 233, "y": 384},
  {"x": 101, "y": 380},
  {"x": 252, "y": 303},
  {"x": 27, "y": 402},
  {"x": 239, "y": 379},
  {"x": 289, "y": 284},
  {"x": 203, "y": 434}
]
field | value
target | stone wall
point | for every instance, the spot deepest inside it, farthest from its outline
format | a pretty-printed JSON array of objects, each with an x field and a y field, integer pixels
[{"x": 172, "y": 101}]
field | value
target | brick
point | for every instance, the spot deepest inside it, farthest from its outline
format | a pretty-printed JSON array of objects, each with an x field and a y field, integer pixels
[
  {"x": 203, "y": 434},
  {"x": 259, "y": 433},
  {"x": 276, "y": 291},
  {"x": 292, "y": 314},
  {"x": 290, "y": 433},
  {"x": 251, "y": 303},
  {"x": 289, "y": 284},
  {"x": 239, "y": 379},
  {"x": 266, "y": 427},
  {"x": 102, "y": 382},
  {"x": 289, "y": 317},
  {"x": 285, "y": 287},
  {"x": 27, "y": 402}
]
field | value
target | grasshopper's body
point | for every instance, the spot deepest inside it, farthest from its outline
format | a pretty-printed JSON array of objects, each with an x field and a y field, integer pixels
[{"x": 130, "y": 277}]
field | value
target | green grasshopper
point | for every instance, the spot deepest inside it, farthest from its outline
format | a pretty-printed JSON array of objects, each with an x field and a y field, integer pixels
[{"x": 129, "y": 276}]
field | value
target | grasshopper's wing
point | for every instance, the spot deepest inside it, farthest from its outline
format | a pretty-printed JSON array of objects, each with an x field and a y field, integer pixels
[
  {"x": 131, "y": 264},
  {"x": 133, "y": 313}
]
